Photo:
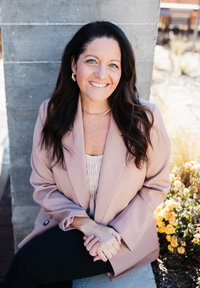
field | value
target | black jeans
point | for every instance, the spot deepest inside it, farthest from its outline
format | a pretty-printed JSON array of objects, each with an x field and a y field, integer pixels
[{"x": 52, "y": 259}]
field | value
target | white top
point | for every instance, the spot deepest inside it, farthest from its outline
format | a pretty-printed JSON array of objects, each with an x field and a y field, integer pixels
[{"x": 93, "y": 167}]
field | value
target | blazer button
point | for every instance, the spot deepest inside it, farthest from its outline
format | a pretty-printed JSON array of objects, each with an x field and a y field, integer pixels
[{"x": 46, "y": 222}]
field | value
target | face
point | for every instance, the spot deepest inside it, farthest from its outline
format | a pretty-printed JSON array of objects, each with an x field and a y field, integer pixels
[{"x": 98, "y": 69}]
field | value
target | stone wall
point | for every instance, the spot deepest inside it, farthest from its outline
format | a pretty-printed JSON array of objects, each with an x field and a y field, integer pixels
[{"x": 34, "y": 34}]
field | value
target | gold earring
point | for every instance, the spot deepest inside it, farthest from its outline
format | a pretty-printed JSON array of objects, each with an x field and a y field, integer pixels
[{"x": 73, "y": 77}]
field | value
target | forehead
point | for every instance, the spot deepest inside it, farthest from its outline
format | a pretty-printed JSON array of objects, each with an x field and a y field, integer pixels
[{"x": 103, "y": 47}]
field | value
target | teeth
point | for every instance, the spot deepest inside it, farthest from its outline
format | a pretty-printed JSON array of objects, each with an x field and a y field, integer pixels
[{"x": 98, "y": 84}]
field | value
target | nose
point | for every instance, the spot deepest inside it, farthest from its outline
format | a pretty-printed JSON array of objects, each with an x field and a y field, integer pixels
[{"x": 101, "y": 71}]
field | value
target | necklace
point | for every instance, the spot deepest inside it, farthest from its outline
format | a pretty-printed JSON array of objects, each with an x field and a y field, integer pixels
[{"x": 104, "y": 113}]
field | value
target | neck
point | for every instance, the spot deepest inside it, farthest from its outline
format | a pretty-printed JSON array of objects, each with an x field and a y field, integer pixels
[{"x": 94, "y": 108}]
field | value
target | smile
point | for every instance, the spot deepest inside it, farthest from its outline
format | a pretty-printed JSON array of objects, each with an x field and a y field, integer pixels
[{"x": 98, "y": 85}]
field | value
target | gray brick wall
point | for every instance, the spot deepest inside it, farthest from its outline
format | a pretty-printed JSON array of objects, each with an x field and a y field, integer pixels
[{"x": 34, "y": 34}]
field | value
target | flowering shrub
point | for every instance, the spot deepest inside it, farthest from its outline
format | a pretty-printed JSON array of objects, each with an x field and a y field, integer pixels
[{"x": 178, "y": 217}]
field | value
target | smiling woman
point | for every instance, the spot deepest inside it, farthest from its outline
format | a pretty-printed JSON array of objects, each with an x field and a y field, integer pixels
[
  {"x": 98, "y": 73},
  {"x": 100, "y": 166}
]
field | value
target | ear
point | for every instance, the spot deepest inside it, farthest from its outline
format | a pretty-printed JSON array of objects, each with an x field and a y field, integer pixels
[{"x": 73, "y": 65}]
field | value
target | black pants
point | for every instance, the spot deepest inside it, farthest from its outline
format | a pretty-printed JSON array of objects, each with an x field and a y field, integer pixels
[{"x": 52, "y": 259}]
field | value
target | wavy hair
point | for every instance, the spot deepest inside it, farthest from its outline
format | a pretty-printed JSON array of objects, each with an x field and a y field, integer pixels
[{"x": 128, "y": 112}]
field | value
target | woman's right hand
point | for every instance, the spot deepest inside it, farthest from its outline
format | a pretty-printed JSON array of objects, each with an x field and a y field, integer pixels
[{"x": 101, "y": 241}]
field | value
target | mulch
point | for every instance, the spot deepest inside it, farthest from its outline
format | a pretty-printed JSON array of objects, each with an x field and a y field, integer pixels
[
  {"x": 177, "y": 271},
  {"x": 170, "y": 271}
]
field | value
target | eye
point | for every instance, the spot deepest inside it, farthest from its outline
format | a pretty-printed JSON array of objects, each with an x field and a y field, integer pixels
[
  {"x": 113, "y": 65},
  {"x": 91, "y": 61}
]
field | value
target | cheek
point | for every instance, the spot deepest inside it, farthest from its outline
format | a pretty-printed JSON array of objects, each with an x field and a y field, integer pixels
[
  {"x": 116, "y": 78},
  {"x": 83, "y": 72},
  {"x": 82, "y": 76}
]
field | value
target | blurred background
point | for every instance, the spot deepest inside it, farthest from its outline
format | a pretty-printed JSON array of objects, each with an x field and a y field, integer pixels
[{"x": 176, "y": 76}]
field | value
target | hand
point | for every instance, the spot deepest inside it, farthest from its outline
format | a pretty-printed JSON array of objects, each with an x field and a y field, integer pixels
[
  {"x": 93, "y": 250},
  {"x": 103, "y": 242}
]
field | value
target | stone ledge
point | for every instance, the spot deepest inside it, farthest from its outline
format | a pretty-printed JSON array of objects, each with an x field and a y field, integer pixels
[{"x": 140, "y": 278}]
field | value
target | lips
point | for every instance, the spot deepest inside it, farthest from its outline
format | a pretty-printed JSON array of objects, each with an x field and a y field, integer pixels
[{"x": 98, "y": 85}]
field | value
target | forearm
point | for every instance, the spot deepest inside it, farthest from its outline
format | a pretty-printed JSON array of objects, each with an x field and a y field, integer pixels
[{"x": 83, "y": 224}]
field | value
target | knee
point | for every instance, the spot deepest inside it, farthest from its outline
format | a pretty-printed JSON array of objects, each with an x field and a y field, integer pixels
[{"x": 24, "y": 257}]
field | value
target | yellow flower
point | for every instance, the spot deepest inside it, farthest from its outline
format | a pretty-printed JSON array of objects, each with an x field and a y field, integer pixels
[
  {"x": 195, "y": 189},
  {"x": 172, "y": 214},
  {"x": 160, "y": 224},
  {"x": 174, "y": 238},
  {"x": 177, "y": 183},
  {"x": 195, "y": 195},
  {"x": 195, "y": 241},
  {"x": 162, "y": 229},
  {"x": 173, "y": 222},
  {"x": 166, "y": 214},
  {"x": 183, "y": 243},
  {"x": 168, "y": 237},
  {"x": 174, "y": 241},
  {"x": 159, "y": 217},
  {"x": 181, "y": 250},
  {"x": 174, "y": 244},
  {"x": 169, "y": 229},
  {"x": 170, "y": 248},
  {"x": 188, "y": 165}
]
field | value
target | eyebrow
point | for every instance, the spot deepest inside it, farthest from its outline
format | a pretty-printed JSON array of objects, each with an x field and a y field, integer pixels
[{"x": 98, "y": 58}]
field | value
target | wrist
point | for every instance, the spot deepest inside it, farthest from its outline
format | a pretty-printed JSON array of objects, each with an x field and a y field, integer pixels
[
  {"x": 88, "y": 226},
  {"x": 83, "y": 224}
]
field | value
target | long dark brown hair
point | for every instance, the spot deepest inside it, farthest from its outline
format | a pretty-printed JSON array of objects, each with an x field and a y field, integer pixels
[{"x": 129, "y": 114}]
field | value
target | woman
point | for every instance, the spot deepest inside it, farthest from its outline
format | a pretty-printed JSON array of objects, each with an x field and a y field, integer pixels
[{"x": 100, "y": 166}]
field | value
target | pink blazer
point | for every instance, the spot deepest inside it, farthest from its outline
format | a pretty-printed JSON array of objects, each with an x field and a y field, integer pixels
[{"x": 126, "y": 196}]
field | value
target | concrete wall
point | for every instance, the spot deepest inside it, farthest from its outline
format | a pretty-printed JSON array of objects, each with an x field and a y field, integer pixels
[{"x": 34, "y": 34}]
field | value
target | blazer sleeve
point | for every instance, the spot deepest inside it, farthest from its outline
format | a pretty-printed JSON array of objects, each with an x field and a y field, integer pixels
[
  {"x": 132, "y": 222},
  {"x": 46, "y": 194}
]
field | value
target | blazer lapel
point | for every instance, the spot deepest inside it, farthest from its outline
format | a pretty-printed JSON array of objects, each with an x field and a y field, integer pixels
[
  {"x": 112, "y": 166},
  {"x": 75, "y": 159}
]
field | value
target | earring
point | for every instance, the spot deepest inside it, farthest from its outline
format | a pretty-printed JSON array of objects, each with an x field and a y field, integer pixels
[{"x": 74, "y": 77}]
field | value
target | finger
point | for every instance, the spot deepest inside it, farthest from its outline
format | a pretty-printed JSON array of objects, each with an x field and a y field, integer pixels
[
  {"x": 101, "y": 255},
  {"x": 118, "y": 237},
  {"x": 112, "y": 249},
  {"x": 88, "y": 240},
  {"x": 91, "y": 243},
  {"x": 105, "y": 249},
  {"x": 93, "y": 250},
  {"x": 96, "y": 258},
  {"x": 107, "y": 253},
  {"x": 116, "y": 245}
]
